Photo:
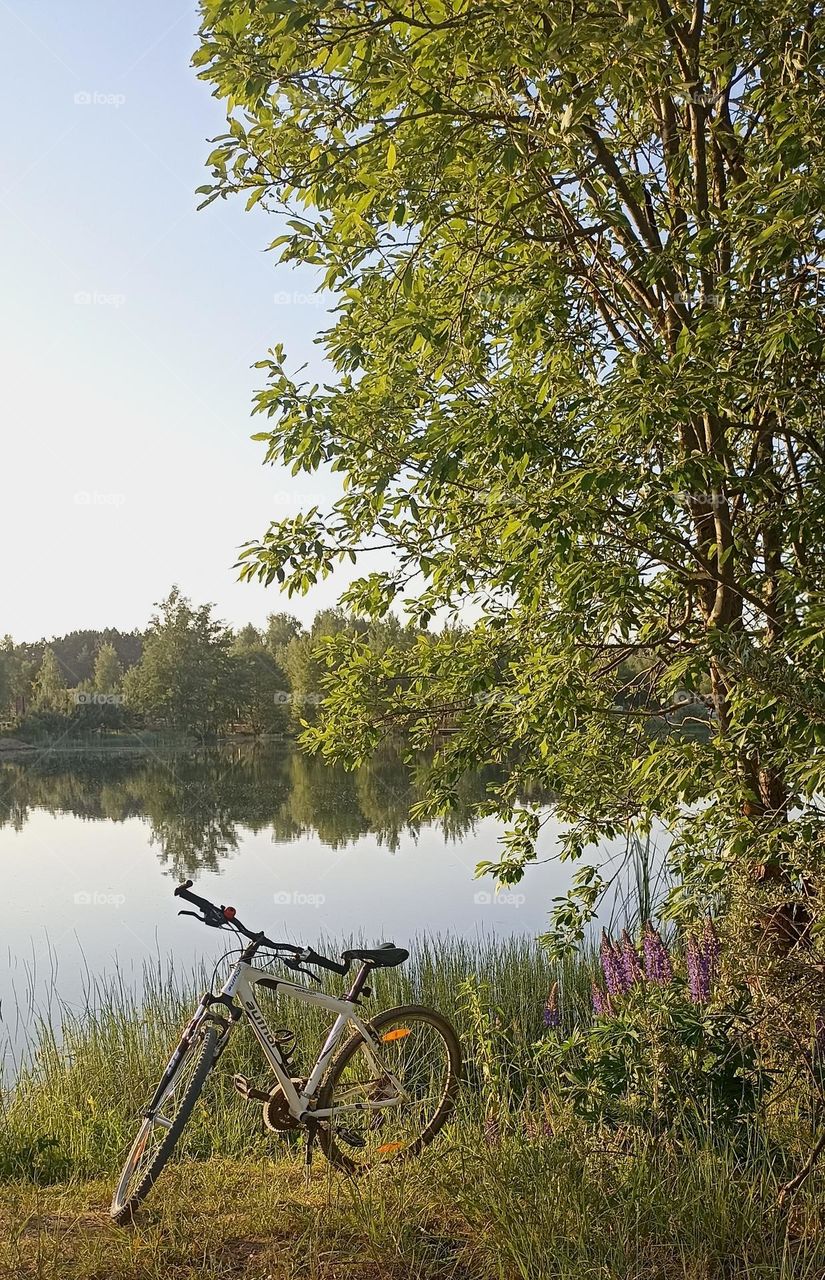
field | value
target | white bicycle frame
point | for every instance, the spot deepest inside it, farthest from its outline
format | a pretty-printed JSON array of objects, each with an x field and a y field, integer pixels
[{"x": 241, "y": 986}]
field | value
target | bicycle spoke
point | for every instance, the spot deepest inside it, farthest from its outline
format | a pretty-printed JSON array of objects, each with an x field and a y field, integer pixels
[{"x": 408, "y": 1072}]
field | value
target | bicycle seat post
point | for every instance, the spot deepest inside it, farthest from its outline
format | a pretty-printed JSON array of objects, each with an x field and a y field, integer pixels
[{"x": 358, "y": 985}]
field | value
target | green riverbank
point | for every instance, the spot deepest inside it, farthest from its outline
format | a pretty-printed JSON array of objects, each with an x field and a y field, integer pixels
[{"x": 515, "y": 1187}]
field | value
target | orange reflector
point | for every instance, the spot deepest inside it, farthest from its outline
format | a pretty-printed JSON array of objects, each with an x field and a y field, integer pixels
[
  {"x": 398, "y": 1034},
  {"x": 388, "y": 1147}
]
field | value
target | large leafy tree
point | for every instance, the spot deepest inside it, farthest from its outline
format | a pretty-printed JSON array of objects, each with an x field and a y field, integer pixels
[
  {"x": 183, "y": 678},
  {"x": 14, "y": 679},
  {"x": 579, "y": 256},
  {"x": 108, "y": 673},
  {"x": 258, "y": 683},
  {"x": 304, "y": 666},
  {"x": 280, "y": 629},
  {"x": 49, "y": 685}
]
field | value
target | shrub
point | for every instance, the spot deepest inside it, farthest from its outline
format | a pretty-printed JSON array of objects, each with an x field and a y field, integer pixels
[{"x": 660, "y": 1048}]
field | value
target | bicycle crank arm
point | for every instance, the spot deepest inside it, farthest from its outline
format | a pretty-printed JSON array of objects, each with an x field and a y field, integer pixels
[{"x": 248, "y": 1091}]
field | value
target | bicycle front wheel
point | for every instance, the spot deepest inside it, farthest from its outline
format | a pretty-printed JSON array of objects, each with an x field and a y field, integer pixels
[
  {"x": 388, "y": 1105},
  {"x": 161, "y": 1128}
]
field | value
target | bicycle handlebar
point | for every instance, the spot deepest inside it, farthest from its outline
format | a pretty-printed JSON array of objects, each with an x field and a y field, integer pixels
[{"x": 226, "y": 917}]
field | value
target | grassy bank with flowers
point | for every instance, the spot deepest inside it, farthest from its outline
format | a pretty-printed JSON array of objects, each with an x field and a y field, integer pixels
[{"x": 616, "y": 1120}]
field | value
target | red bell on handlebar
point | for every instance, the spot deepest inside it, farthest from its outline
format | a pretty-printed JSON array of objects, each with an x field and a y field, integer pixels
[{"x": 229, "y": 913}]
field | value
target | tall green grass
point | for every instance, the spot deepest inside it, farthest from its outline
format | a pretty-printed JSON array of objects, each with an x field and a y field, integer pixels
[
  {"x": 517, "y": 1188},
  {"x": 73, "y": 1105}
]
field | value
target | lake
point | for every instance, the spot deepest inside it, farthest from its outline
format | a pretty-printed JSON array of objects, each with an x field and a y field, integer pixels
[{"x": 91, "y": 848}]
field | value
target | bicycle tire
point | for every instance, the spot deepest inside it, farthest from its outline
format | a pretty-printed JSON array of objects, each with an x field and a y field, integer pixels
[
  {"x": 123, "y": 1210},
  {"x": 420, "y": 1013}
]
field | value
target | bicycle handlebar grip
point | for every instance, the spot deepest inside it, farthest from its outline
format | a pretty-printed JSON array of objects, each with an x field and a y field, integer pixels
[
  {"x": 202, "y": 904},
  {"x": 312, "y": 957},
  {"x": 217, "y": 916}
]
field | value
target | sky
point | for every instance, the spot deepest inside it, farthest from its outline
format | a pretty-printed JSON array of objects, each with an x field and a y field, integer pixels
[{"x": 129, "y": 325}]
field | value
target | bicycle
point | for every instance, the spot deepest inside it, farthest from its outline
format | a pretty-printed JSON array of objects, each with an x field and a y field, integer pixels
[{"x": 381, "y": 1095}]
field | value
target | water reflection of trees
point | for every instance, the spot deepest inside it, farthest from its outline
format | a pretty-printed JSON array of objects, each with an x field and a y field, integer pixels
[{"x": 196, "y": 805}]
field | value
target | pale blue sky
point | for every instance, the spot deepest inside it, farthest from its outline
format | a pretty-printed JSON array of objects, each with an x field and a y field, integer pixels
[{"x": 129, "y": 325}]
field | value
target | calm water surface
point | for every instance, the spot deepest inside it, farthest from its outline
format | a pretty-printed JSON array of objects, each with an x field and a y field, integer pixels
[{"x": 91, "y": 849}]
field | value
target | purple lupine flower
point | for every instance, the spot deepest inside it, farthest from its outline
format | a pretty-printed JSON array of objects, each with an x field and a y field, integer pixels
[
  {"x": 702, "y": 956},
  {"x": 612, "y": 967},
  {"x": 658, "y": 968},
  {"x": 631, "y": 969},
  {"x": 601, "y": 1002},
  {"x": 552, "y": 1016},
  {"x": 697, "y": 971},
  {"x": 711, "y": 948}
]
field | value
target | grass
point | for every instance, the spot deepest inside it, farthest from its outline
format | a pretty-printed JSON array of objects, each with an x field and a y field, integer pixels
[{"x": 512, "y": 1190}]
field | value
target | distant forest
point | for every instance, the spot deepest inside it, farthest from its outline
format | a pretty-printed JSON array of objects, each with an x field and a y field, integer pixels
[
  {"x": 186, "y": 672},
  {"x": 76, "y": 651}
]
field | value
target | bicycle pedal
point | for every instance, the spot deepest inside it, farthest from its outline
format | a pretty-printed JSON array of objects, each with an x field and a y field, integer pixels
[
  {"x": 351, "y": 1139},
  {"x": 248, "y": 1091}
]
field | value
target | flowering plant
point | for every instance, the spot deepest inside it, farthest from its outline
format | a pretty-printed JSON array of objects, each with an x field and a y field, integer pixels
[{"x": 661, "y": 1047}]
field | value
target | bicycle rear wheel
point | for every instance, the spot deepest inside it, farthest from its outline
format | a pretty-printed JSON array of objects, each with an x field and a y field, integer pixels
[
  {"x": 160, "y": 1130},
  {"x": 419, "y": 1050}
]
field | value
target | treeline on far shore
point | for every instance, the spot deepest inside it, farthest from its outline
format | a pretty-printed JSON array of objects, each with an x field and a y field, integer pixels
[
  {"x": 187, "y": 672},
  {"x": 190, "y": 674}
]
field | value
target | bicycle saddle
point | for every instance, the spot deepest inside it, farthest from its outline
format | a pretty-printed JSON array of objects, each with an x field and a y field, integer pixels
[{"x": 387, "y": 956}]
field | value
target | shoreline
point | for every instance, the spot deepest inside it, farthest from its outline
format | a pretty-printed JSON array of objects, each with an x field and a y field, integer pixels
[{"x": 11, "y": 748}]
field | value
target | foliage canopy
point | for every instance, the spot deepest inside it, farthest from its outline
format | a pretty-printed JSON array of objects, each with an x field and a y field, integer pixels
[{"x": 579, "y": 261}]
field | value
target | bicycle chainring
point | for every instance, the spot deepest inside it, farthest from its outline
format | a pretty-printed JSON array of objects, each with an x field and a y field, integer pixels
[{"x": 277, "y": 1116}]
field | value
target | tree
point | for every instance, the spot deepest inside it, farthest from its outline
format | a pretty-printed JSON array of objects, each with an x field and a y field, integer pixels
[
  {"x": 17, "y": 671},
  {"x": 183, "y": 676},
  {"x": 580, "y": 258},
  {"x": 49, "y": 687},
  {"x": 259, "y": 685},
  {"x": 76, "y": 650},
  {"x": 9, "y": 673},
  {"x": 107, "y": 674},
  {"x": 304, "y": 660},
  {"x": 280, "y": 629},
  {"x": 5, "y": 679}
]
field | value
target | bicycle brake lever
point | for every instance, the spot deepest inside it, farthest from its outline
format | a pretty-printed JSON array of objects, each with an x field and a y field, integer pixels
[
  {"x": 299, "y": 968},
  {"x": 196, "y": 915}
]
